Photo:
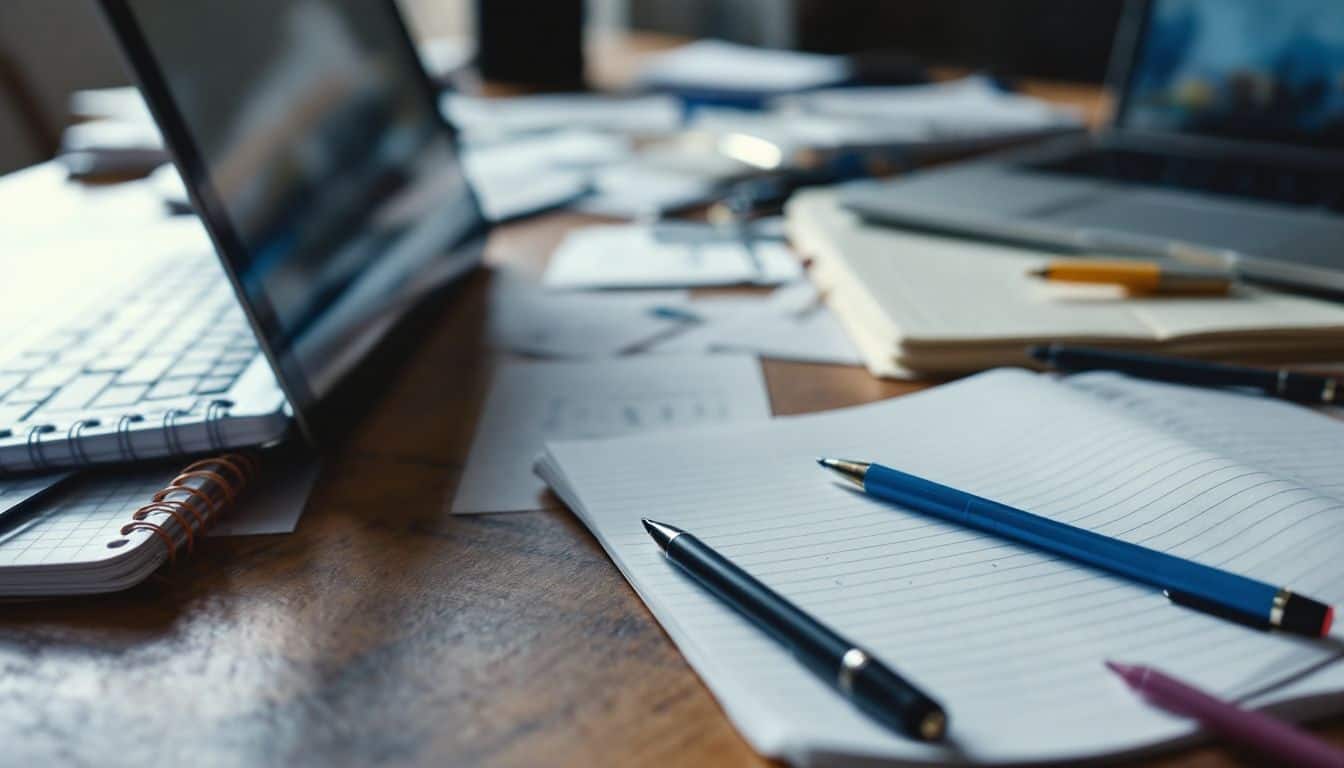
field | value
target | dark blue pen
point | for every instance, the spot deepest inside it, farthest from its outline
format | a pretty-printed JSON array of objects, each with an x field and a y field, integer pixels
[{"x": 1187, "y": 583}]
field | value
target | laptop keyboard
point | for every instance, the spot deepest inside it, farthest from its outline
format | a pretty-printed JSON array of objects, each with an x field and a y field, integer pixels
[
  {"x": 177, "y": 343},
  {"x": 1321, "y": 189}
]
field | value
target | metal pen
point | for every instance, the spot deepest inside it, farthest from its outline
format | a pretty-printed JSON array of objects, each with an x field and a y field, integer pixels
[{"x": 1185, "y": 582}]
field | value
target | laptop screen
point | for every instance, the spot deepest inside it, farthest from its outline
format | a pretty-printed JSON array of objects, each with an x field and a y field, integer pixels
[
  {"x": 1258, "y": 70},
  {"x": 310, "y": 136}
]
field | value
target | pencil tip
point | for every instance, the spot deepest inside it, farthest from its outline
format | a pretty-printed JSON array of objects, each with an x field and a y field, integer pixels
[{"x": 1126, "y": 671}]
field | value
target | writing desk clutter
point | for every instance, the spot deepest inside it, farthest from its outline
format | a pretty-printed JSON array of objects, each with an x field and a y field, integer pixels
[{"x": 386, "y": 630}]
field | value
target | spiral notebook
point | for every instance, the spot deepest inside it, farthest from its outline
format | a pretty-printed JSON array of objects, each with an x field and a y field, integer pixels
[{"x": 103, "y": 531}]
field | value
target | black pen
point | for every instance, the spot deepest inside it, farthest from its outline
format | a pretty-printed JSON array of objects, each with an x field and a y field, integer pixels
[
  {"x": 1281, "y": 383},
  {"x": 875, "y": 688}
]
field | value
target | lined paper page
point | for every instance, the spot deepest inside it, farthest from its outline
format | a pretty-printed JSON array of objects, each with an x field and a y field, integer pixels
[{"x": 1012, "y": 641}]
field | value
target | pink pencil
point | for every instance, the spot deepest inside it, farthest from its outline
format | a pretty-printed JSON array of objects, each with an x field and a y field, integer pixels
[{"x": 1258, "y": 731}]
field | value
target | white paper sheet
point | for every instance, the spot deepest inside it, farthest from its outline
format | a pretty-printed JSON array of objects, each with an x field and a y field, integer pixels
[
  {"x": 662, "y": 256},
  {"x": 479, "y": 117},
  {"x": 635, "y": 190},
  {"x": 524, "y": 175},
  {"x": 715, "y": 65},
  {"x": 528, "y": 319},
  {"x": 1010, "y": 640},
  {"x": 531, "y": 402},
  {"x": 790, "y": 324}
]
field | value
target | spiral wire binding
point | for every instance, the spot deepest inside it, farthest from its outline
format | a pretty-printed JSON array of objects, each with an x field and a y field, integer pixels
[
  {"x": 35, "y": 454},
  {"x": 199, "y": 505},
  {"x": 124, "y": 443},
  {"x": 215, "y": 413},
  {"x": 73, "y": 437},
  {"x": 171, "y": 439}
]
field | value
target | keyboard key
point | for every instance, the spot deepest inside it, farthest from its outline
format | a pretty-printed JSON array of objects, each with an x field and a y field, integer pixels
[
  {"x": 214, "y": 385},
  {"x": 229, "y": 369},
  {"x": 29, "y": 395},
  {"x": 79, "y": 392},
  {"x": 27, "y": 363},
  {"x": 11, "y": 416},
  {"x": 192, "y": 368},
  {"x": 204, "y": 350},
  {"x": 111, "y": 361},
  {"x": 238, "y": 356},
  {"x": 146, "y": 370},
  {"x": 53, "y": 376},
  {"x": 9, "y": 381},
  {"x": 116, "y": 397},
  {"x": 171, "y": 388}
]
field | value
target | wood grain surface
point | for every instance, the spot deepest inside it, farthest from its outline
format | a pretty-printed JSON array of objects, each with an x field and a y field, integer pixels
[{"x": 385, "y": 631}]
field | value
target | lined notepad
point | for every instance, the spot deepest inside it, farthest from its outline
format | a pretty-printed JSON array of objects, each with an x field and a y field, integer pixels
[
  {"x": 1010, "y": 640},
  {"x": 914, "y": 301}
]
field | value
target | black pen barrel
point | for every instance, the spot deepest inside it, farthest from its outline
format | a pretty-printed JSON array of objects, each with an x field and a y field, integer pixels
[
  {"x": 875, "y": 688},
  {"x": 1298, "y": 387},
  {"x": 819, "y": 648}
]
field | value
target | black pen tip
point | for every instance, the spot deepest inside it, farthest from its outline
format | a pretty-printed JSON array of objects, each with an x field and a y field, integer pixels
[{"x": 662, "y": 533}]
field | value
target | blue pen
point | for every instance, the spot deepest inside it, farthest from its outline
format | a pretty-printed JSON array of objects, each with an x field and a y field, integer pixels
[{"x": 1187, "y": 583}]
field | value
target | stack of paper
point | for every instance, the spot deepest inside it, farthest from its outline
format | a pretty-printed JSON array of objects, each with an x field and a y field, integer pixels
[
  {"x": 790, "y": 324},
  {"x": 1010, "y": 640},
  {"x": 528, "y": 319},
  {"x": 716, "y": 66},
  {"x": 668, "y": 256},
  {"x": 961, "y": 114},
  {"x": 916, "y": 302}
]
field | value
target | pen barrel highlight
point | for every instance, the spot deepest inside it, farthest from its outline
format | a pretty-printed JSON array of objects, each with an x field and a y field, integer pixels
[
  {"x": 1215, "y": 590},
  {"x": 878, "y": 690}
]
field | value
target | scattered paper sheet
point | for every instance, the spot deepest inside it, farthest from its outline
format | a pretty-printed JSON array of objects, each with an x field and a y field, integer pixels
[
  {"x": 667, "y": 256},
  {"x": 521, "y": 176},
  {"x": 633, "y": 190},
  {"x": 717, "y": 65},
  {"x": 970, "y": 106},
  {"x": 526, "y": 318},
  {"x": 532, "y": 402},
  {"x": 790, "y": 324},
  {"x": 478, "y": 116}
]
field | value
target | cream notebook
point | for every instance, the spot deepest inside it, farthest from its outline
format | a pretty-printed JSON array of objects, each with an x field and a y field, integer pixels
[
  {"x": 934, "y": 304},
  {"x": 1010, "y": 640}
]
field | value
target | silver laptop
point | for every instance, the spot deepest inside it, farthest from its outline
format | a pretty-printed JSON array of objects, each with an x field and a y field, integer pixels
[
  {"x": 309, "y": 138},
  {"x": 1226, "y": 147}
]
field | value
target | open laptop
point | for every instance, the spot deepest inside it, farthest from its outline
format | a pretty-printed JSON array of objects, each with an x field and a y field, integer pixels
[
  {"x": 1226, "y": 146},
  {"x": 308, "y": 136}
]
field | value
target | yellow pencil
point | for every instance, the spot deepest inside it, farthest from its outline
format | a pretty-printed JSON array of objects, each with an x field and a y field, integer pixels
[{"x": 1138, "y": 277}]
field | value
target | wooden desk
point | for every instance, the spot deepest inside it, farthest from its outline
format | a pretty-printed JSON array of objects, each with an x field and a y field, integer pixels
[{"x": 385, "y": 630}]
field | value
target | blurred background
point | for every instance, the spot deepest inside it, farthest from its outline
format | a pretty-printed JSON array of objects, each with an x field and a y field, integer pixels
[{"x": 50, "y": 48}]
